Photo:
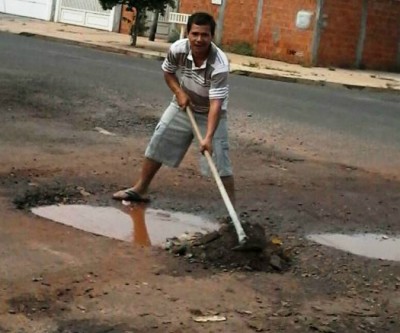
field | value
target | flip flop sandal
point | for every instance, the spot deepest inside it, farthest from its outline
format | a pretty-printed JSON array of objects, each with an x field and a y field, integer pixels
[{"x": 130, "y": 195}]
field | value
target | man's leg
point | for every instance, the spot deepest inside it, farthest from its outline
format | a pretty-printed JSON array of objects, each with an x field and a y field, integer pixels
[
  {"x": 149, "y": 170},
  {"x": 229, "y": 184},
  {"x": 221, "y": 155},
  {"x": 169, "y": 144}
]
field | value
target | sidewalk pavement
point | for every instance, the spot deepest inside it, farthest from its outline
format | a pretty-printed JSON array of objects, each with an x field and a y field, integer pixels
[{"x": 243, "y": 65}]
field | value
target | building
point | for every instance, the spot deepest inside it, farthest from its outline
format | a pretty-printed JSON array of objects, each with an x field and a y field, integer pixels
[
  {"x": 40, "y": 9},
  {"x": 164, "y": 28},
  {"x": 87, "y": 13},
  {"x": 338, "y": 33}
]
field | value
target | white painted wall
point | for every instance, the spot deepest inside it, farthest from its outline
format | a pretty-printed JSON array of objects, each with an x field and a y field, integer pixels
[
  {"x": 40, "y": 9},
  {"x": 87, "y": 13}
]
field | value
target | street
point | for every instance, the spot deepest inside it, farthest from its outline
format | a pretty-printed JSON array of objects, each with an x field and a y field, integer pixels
[
  {"x": 307, "y": 159},
  {"x": 358, "y": 128}
]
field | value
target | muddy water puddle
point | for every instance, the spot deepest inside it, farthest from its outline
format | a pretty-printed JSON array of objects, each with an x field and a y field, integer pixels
[
  {"x": 136, "y": 223},
  {"x": 368, "y": 245}
]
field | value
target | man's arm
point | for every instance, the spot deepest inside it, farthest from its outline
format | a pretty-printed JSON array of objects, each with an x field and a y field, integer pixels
[
  {"x": 173, "y": 84},
  {"x": 218, "y": 92},
  {"x": 212, "y": 123},
  {"x": 170, "y": 66},
  {"x": 213, "y": 117}
]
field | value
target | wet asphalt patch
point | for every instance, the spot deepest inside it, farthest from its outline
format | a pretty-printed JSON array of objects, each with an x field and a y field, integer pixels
[
  {"x": 93, "y": 326},
  {"x": 45, "y": 305},
  {"x": 211, "y": 249},
  {"x": 47, "y": 195}
]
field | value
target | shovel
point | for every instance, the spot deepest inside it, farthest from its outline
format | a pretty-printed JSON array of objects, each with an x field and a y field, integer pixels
[{"x": 242, "y": 238}]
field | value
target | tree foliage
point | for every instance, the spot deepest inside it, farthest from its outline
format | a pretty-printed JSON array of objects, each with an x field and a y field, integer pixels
[
  {"x": 158, "y": 6},
  {"x": 140, "y": 5}
]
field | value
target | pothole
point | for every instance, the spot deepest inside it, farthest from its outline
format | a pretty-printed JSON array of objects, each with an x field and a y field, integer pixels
[
  {"x": 193, "y": 237},
  {"x": 368, "y": 245},
  {"x": 136, "y": 223}
]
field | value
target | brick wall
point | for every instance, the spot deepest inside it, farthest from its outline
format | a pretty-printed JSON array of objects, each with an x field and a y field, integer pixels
[
  {"x": 191, "y": 6},
  {"x": 383, "y": 35},
  {"x": 340, "y": 37},
  {"x": 127, "y": 20},
  {"x": 279, "y": 38},
  {"x": 239, "y": 22},
  {"x": 340, "y": 34}
]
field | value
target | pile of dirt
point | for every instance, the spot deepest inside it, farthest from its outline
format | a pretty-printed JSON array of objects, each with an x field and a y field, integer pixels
[{"x": 218, "y": 250}]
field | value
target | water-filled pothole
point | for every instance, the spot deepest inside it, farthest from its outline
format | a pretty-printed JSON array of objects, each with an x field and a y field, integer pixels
[
  {"x": 135, "y": 223},
  {"x": 368, "y": 245}
]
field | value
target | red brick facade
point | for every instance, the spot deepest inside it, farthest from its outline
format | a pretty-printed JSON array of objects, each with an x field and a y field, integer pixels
[
  {"x": 278, "y": 36},
  {"x": 340, "y": 33},
  {"x": 127, "y": 20},
  {"x": 382, "y": 43},
  {"x": 350, "y": 33},
  {"x": 239, "y": 22}
]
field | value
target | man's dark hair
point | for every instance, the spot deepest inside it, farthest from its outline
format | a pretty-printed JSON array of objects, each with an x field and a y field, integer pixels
[{"x": 201, "y": 19}]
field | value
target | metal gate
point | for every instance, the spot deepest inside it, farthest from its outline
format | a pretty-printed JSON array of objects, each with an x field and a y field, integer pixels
[
  {"x": 163, "y": 27},
  {"x": 87, "y": 13}
]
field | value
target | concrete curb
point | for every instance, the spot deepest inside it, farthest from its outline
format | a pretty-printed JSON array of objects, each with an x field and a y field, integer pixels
[
  {"x": 320, "y": 83},
  {"x": 160, "y": 56},
  {"x": 136, "y": 52}
]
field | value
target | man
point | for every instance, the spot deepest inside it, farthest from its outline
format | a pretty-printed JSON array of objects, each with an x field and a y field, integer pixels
[{"x": 203, "y": 87}]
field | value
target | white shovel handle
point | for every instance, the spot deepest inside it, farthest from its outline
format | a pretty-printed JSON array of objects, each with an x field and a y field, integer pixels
[{"x": 232, "y": 213}]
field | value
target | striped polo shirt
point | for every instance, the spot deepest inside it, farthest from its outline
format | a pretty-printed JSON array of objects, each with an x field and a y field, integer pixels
[{"x": 209, "y": 81}]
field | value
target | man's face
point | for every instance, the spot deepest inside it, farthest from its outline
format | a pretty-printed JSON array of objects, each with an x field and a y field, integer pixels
[{"x": 200, "y": 38}]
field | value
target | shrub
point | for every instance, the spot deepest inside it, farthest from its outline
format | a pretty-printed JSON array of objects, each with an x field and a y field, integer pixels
[
  {"x": 240, "y": 47},
  {"x": 173, "y": 36}
]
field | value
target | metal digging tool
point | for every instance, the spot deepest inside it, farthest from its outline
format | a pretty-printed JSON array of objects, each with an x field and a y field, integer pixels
[{"x": 242, "y": 238}]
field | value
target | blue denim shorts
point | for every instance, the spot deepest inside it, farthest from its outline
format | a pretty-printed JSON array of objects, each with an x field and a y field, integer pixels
[{"x": 174, "y": 134}]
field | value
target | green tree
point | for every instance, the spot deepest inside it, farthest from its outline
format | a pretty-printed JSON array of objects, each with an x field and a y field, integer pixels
[
  {"x": 154, "y": 24},
  {"x": 141, "y": 6}
]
